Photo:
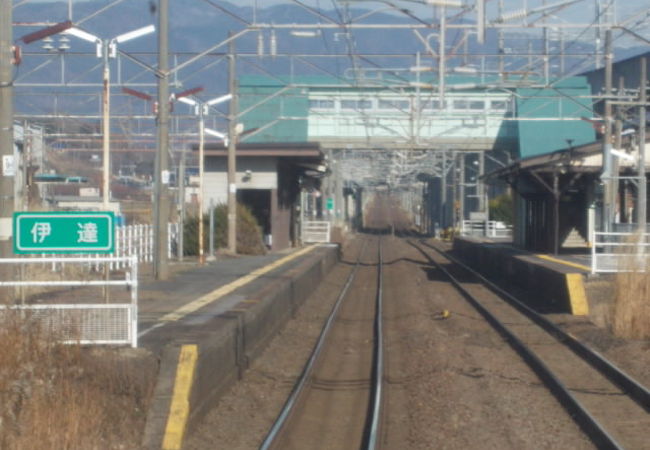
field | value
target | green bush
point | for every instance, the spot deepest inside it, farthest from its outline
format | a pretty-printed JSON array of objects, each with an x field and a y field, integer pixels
[
  {"x": 501, "y": 208},
  {"x": 249, "y": 234}
]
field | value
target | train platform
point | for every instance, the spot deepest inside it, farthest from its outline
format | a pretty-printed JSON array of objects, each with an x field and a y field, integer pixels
[
  {"x": 194, "y": 294},
  {"x": 206, "y": 323},
  {"x": 552, "y": 283},
  {"x": 576, "y": 258}
]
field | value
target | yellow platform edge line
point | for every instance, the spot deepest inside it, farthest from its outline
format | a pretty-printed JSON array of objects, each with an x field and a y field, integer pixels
[
  {"x": 179, "y": 410},
  {"x": 230, "y": 287},
  {"x": 577, "y": 295},
  {"x": 566, "y": 263}
]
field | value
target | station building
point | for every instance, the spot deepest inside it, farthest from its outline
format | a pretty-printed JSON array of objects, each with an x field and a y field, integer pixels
[
  {"x": 561, "y": 195},
  {"x": 398, "y": 133}
]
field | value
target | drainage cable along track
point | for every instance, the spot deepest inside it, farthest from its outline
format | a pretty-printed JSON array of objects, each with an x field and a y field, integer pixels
[
  {"x": 585, "y": 419},
  {"x": 313, "y": 378}
]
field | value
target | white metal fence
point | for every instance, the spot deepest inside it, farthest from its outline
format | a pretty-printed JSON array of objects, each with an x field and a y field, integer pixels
[
  {"x": 315, "y": 231},
  {"x": 137, "y": 240},
  {"x": 620, "y": 252},
  {"x": 85, "y": 323},
  {"x": 485, "y": 228}
]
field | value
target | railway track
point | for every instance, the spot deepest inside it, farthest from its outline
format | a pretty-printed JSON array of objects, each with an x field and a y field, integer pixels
[
  {"x": 610, "y": 407},
  {"x": 338, "y": 395}
]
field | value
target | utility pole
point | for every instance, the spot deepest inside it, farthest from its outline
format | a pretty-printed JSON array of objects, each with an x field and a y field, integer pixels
[
  {"x": 181, "y": 203},
  {"x": 461, "y": 203},
  {"x": 232, "y": 146},
  {"x": 562, "y": 51},
  {"x": 106, "y": 127},
  {"x": 481, "y": 191},
  {"x": 500, "y": 40},
  {"x": 201, "y": 181},
  {"x": 607, "y": 175},
  {"x": 6, "y": 127},
  {"x": 547, "y": 66},
  {"x": 443, "y": 192},
  {"x": 643, "y": 97},
  {"x": 617, "y": 143},
  {"x": 442, "y": 54},
  {"x": 161, "y": 177}
]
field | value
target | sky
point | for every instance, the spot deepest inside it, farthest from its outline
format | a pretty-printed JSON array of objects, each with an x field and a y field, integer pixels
[
  {"x": 624, "y": 7},
  {"x": 580, "y": 12}
]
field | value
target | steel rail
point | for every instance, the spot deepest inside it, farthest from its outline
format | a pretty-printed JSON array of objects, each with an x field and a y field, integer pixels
[
  {"x": 300, "y": 384},
  {"x": 638, "y": 392},
  {"x": 371, "y": 434},
  {"x": 592, "y": 428}
]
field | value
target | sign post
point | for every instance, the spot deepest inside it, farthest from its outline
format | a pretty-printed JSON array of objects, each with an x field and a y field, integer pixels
[{"x": 64, "y": 232}]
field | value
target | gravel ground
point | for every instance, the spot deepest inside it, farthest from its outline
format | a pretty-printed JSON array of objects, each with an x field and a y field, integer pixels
[
  {"x": 461, "y": 385},
  {"x": 452, "y": 382},
  {"x": 245, "y": 414}
]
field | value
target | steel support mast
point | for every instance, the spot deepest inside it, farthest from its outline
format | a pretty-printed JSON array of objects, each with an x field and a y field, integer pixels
[
  {"x": 161, "y": 199},
  {"x": 232, "y": 146},
  {"x": 6, "y": 127}
]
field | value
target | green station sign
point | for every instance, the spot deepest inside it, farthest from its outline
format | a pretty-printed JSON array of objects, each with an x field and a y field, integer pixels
[{"x": 64, "y": 232}]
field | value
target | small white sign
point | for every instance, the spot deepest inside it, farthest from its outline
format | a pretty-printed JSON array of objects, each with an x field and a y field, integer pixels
[
  {"x": 233, "y": 188},
  {"x": 8, "y": 166},
  {"x": 165, "y": 176}
]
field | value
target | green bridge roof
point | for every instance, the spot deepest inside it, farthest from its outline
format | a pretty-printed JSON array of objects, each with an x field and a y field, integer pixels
[{"x": 550, "y": 116}]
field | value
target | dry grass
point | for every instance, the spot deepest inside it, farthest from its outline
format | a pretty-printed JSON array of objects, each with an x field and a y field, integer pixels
[
  {"x": 631, "y": 311},
  {"x": 66, "y": 396}
]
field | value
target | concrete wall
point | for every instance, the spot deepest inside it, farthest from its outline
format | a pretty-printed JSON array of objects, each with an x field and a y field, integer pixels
[
  {"x": 520, "y": 273},
  {"x": 228, "y": 343},
  {"x": 263, "y": 175}
]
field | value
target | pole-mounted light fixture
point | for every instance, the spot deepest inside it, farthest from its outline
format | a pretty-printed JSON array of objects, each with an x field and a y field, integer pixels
[
  {"x": 81, "y": 34},
  {"x": 305, "y": 33},
  {"x": 201, "y": 109},
  {"x": 450, "y": 3},
  {"x": 217, "y": 134},
  {"x": 105, "y": 49},
  {"x": 135, "y": 34}
]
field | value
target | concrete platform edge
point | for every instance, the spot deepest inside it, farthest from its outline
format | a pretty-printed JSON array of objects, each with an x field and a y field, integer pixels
[
  {"x": 226, "y": 348},
  {"x": 547, "y": 286}
]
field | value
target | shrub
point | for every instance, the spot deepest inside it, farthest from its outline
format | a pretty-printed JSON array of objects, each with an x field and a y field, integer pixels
[
  {"x": 501, "y": 208},
  {"x": 249, "y": 234}
]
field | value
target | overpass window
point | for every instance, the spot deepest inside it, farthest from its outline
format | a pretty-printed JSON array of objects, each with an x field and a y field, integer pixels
[
  {"x": 430, "y": 104},
  {"x": 404, "y": 105},
  {"x": 365, "y": 104},
  {"x": 499, "y": 105},
  {"x": 474, "y": 105},
  {"x": 321, "y": 104},
  {"x": 461, "y": 104},
  {"x": 477, "y": 105},
  {"x": 356, "y": 104}
]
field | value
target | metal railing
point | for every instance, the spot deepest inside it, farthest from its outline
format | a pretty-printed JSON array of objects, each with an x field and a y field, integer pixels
[
  {"x": 619, "y": 252},
  {"x": 315, "y": 231},
  {"x": 132, "y": 240},
  {"x": 84, "y": 323},
  {"x": 137, "y": 240},
  {"x": 485, "y": 228}
]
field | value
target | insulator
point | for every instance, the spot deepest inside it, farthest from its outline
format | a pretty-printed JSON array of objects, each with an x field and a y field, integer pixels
[
  {"x": 260, "y": 45},
  {"x": 274, "y": 44}
]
